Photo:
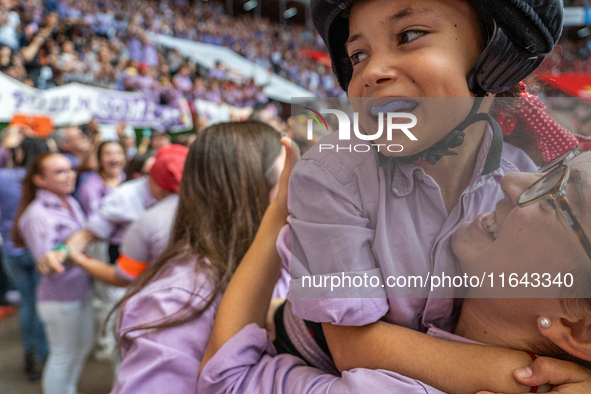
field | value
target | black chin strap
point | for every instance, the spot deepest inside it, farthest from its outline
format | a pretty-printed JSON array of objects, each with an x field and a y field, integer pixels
[{"x": 455, "y": 138}]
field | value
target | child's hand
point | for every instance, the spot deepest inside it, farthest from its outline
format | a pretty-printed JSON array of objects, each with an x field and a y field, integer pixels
[
  {"x": 292, "y": 156},
  {"x": 270, "y": 326}
]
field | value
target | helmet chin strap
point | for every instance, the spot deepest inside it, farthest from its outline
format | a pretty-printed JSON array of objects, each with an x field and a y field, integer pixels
[{"x": 455, "y": 138}]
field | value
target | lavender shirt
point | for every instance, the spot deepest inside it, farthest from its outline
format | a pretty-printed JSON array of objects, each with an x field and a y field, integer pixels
[
  {"x": 146, "y": 238},
  {"x": 117, "y": 210},
  {"x": 351, "y": 215},
  {"x": 11, "y": 180},
  {"x": 168, "y": 360},
  {"x": 92, "y": 192},
  {"x": 248, "y": 363},
  {"x": 156, "y": 361},
  {"x": 44, "y": 224}
]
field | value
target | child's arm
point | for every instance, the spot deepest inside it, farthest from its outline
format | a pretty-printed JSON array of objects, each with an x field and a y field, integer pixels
[{"x": 452, "y": 367}]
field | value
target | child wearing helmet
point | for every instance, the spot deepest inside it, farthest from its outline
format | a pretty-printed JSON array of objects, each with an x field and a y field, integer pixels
[{"x": 380, "y": 214}]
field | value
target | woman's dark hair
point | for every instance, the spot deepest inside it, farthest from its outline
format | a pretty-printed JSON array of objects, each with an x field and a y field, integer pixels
[
  {"x": 223, "y": 195},
  {"x": 29, "y": 193},
  {"x": 99, "y": 152},
  {"x": 29, "y": 149},
  {"x": 136, "y": 164}
]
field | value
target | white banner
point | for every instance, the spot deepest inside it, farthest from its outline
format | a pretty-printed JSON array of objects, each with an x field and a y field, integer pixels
[
  {"x": 276, "y": 87},
  {"x": 219, "y": 113},
  {"x": 76, "y": 104}
]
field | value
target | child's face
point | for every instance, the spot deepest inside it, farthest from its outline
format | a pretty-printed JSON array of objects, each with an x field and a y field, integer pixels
[{"x": 413, "y": 49}]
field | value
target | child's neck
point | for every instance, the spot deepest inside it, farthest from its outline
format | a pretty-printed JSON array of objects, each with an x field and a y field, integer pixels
[{"x": 454, "y": 173}]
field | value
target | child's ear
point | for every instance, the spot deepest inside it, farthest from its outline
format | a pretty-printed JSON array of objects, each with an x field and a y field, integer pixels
[{"x": 571, "y": 334}]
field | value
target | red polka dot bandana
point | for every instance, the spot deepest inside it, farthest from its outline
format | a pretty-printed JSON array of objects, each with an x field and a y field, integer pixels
[{"x": 551, "y": 138}]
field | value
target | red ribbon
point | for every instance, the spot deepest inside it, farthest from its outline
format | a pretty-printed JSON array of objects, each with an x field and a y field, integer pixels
[{"x": 551, "y": 137}]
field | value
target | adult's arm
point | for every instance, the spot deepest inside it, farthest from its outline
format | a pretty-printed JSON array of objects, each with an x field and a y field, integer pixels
[{"x": 106, "y": 273}]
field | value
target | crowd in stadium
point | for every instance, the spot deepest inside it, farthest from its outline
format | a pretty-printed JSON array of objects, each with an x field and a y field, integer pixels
[{"x": 88, "y": 42}]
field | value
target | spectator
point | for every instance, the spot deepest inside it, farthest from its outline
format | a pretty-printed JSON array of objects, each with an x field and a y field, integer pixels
[
  {"x": 46, "y": 217},
  {"x": 159, "y": 139},
  {"x": 73, "y": 143},
  {"x": 19, "y": 264},
  {"x": 9, "y": 22}
]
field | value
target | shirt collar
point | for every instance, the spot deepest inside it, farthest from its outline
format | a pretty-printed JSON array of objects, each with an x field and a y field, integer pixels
[
  {"x": 405, "y": 174},
  {"x": 48, "y": 198}
]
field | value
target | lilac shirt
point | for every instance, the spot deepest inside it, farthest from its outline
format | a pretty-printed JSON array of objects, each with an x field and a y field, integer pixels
[
  {"x": 146, "y": 238},
  {"x": 157, "y": 361},
  {"x": 92, "y": 192},
  {"x": 11, "y": 180},
  {"x": 351, "y": 215},
  {"x": 122, "y": 206},
  {"x": 44, "y": 224},
  {"x": 248, "y": 363}
]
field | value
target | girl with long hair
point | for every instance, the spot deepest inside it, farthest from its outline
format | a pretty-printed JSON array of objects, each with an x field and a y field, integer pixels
[
  {"x": 110, "y": 174},
  {"x": 47, "y": 216},
  {"x": 229, "y": 178},
  {"x": 111, "y": 163}
]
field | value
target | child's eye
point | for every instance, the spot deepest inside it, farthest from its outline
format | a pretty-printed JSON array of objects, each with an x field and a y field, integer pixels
[
  {"x": 410, "y": 35},
  {"x": 357, "y": 57}
]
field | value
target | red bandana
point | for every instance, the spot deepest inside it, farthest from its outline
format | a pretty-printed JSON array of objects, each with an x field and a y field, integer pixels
[{"x": 551, "y": 137}]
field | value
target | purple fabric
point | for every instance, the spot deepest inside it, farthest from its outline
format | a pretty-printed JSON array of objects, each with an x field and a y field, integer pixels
[
  {"x": 214, "y": 96},
  {"x": 118, "y": 209},
  {"x": 352, "y": 216},
  {"x": 146, "y": 238},
  {"x": 148, "y": 86},
  {"x": 10, "y": 197},
  {"x": 92, "y": 192},
  {"x": 248, "y": 363},
  {"x": 150, "y": 55},
  {"x": 44, "y": 224},
  {"x": 4, "y": 157},
  {"x": 217, "y": 73},
  {"x": 156, "y": 361},
  {"x": 135, "y": 48},
  {"x": 183, "y": 83}
]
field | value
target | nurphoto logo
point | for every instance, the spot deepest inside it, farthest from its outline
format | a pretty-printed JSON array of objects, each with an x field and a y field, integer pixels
[{"x": 392, "y": 123}]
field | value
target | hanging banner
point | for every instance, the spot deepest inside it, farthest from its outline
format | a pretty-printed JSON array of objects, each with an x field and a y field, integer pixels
[
  {"x": 212, "y": 113},
  {"x": 76, "y": 104}
]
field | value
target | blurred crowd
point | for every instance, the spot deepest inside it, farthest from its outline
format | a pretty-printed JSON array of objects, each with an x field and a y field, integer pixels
[{"x": 105, "y": 43}]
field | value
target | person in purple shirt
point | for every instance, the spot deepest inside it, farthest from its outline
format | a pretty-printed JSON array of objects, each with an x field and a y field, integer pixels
[
  {"x": 383, "y": 213},
  {"x": 111, "y": 160},
  {"x": 229, "y": 178},
  {"x": 182, "y": 81},
  {"x": 525, "y": 230},
  {"x": 47, "y": 216},
  {"x": 18, "y": 262}
]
